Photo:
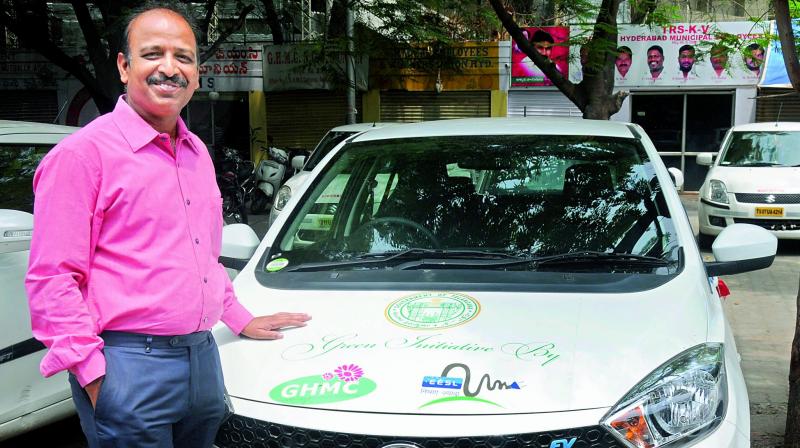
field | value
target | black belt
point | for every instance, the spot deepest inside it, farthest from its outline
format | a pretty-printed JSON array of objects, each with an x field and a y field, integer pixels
[{"x": 136, "y": 340}]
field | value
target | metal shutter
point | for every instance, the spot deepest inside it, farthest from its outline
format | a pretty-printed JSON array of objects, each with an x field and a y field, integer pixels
[
  {"x": 777, "y": 108},
  {"x": 537, "y": 102},
  {"x": 29, "y": 105},
  {"x": 403, "y": 106},
  {"x": 299, "y": 118}
]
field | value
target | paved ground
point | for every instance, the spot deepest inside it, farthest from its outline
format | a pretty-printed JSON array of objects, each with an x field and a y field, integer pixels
[{"x": 761, "y": 310}]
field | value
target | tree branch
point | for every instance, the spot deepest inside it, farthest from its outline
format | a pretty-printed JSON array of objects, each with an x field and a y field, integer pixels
[
  {"x": 206, "y": 22},
  {"x": 546, "y": 65},
  {"x": 97, "y": 53},
  {"x": 273, "y": 22},
  {"x": 225, "y": 34}
]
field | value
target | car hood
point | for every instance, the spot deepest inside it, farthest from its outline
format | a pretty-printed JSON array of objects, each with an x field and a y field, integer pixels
[
  {"x": 460, "y": 352},
  {"x": 758, "y": 179}
]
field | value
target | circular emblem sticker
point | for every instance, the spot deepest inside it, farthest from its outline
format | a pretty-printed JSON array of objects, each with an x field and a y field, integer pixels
[
  {"x": 432, "y": 310},
  {"x": 277, "y": 264}
]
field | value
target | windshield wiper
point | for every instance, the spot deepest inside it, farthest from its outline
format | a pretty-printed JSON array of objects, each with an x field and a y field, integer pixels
[
  {"x": 568, "y": 258},
  {"x": 757, "y": 164},
  {"x": 389, "y": 258}
]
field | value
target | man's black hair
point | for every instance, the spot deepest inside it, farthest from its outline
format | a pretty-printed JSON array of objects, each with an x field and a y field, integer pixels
[
  {"x": 686, "y": 47},
  {"x": 542, "y": 36},
  {"x": 174, "y": 7},
  {"x": 624, "y": 49},
  {"x": 657, "y": 48}
]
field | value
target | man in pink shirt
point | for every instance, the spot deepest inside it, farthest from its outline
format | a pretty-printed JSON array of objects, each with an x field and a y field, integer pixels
[{"x": 124, "y": 280}]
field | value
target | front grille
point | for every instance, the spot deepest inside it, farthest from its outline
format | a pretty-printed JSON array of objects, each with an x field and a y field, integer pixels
[
  {"x": 771, "y": 224},
  {"x": 768, "y": 198},
  {"x": 250, "y": 433}
]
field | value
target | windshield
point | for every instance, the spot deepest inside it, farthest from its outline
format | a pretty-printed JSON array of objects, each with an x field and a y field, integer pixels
[
  {"x": 324, "y": 146},
  {"x": 500, "y": 196},
  {"x": 18, "y": 164},
  {"x": 760, "y": 148}
]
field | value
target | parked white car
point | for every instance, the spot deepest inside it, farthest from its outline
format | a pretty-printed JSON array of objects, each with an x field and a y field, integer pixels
[
  {"x": 755, "y": 179},
  {"x": 27, "y": 400},
  {"x": 489, "y": 282},
  {"x": 304, "y": 167}
]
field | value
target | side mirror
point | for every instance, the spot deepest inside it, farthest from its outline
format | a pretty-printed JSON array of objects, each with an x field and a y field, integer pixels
[
  {"x": 742, "y": 248},
  {"x": 239, "y": 242},
  {"x": 16, "y": 231},
  {"x": 298, "y": 162},
  {"x": 677, "y": 177},
  {"x": 705, "y": 158}
]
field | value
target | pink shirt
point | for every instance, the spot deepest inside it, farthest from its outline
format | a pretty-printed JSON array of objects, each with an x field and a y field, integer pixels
[{"x": 127, "y": 237}]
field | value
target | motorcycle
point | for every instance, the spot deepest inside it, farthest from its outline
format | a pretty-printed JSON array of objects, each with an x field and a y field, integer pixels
[
  {"x": 268, "y": 176},
  {"x": 234, "y": 179}
]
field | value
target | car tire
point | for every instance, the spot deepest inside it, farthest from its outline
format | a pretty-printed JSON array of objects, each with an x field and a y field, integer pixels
[{"x": 705, "y": 241}]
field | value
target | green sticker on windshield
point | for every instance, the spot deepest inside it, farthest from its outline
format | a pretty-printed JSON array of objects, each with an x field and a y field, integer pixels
[{"x": 277, "y": 264}]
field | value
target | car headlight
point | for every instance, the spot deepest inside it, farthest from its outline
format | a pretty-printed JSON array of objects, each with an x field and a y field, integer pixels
[
  {"x": 717, "y": 191},
  {"x": 283, "y": 196},
  {"x": 685, "y": 398}
]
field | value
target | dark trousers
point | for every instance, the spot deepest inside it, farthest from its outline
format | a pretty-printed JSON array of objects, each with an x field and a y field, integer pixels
[{"x": 159, "y": 391}]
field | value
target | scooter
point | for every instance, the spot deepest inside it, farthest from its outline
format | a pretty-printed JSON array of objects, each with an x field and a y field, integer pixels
[
  {"x": 268, "y": 177},
  {"x": 234, "y": 178}
]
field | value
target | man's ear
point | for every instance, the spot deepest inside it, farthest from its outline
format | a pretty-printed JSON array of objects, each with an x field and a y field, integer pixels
[{"x": 122, "y": 66}]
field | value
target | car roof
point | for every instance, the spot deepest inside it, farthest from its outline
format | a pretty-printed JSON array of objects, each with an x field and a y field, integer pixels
[
  {"x": 768, "y": 126},
  {"x": 12, "y": 131},
  {"x": 502, "y": 126},
  {"x": 359, "y": 127}
]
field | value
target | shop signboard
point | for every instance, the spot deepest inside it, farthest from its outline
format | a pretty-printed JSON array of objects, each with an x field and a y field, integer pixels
[
  {"x": 682, "y": 55},
  {"x": 28, "y": 71},
  {"x": 295, "y": 67},
  {"x": 473, "y": 66},
  {"x": 233, "y": 69}
]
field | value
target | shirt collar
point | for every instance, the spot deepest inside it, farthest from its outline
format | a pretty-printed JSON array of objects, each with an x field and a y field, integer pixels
[{"x": 137, "y": 132}]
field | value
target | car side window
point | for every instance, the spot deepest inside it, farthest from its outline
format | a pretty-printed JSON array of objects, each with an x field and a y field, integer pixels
[{"x": 17, "y": 166}]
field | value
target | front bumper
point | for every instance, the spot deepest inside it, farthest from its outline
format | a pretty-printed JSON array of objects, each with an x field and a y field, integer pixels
[{"x": 713, "y": 217}]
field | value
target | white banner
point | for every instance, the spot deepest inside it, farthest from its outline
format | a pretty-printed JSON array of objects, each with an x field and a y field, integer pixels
[
  {"x": 680, "y": 55},
  {"x": 291, "y": 67}
]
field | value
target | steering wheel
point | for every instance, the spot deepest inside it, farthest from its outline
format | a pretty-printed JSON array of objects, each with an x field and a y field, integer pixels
[{"x": 405, "y": 222}]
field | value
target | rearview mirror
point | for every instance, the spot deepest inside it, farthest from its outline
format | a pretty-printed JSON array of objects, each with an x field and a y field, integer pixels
[
  {"x": 239, "y": 242},
  {"x": 298, "y": 162},
  {"x": 705, "y": 158},
  {"x": 677, "y": 177},
  {"x": 742, "y": 248},
  {"x": 16, "y": 231}
]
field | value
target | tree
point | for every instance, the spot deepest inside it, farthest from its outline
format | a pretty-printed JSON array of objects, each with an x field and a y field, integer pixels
[{"x": 101, "y": 23}]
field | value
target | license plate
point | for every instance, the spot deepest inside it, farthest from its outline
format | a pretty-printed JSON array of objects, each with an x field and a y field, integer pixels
[{"x": 773, "y": 212}]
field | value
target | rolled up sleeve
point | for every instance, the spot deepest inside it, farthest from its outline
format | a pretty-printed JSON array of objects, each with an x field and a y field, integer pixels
[
  {"x": 65, "y": 187},
  {"x": 234, "y": 314}
]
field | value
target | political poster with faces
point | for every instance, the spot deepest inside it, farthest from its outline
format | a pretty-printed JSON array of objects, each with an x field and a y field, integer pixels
[
  {"x": 549, "y": 41},
  {"x": 682, "y": 54}
]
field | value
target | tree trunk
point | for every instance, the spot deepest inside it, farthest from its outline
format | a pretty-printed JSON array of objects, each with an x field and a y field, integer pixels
[
  {"x": 784, "y": 22},
  {"x": 641, "y": 10},
  {"x": 792, "y": 437},
  {"x": 273, "y": 22}
]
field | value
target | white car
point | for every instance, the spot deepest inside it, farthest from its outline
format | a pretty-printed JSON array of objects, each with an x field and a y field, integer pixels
[
  {"x": 27, "y": 400},
  {"x": 328, "y": 142},
  {"x": 754, "y": 180},
  {"x": 489, "y": 282}
]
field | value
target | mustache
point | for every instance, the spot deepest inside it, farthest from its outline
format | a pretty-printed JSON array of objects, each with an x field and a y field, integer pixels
[{"x": 161, "y": 78}]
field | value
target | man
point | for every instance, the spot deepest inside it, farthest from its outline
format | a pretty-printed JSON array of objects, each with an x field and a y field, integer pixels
[
  {"x": 754, "y": 58},
  {"x": 686, "y": 60},
  {"x": 655, "y": 61},
  {"x": 719, "y": 59},
  {"x": 623, "y": 60},
  {"x": 543, "y": 42},
  {"x": 124, "y": 282}
]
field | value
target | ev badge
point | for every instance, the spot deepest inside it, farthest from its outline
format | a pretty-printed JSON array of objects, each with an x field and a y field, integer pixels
[
  {"x": 770, "y": 198},
  {"x": 563, "y": 443}
]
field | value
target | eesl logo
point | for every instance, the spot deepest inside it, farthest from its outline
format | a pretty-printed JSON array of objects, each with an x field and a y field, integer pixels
[
  {"x": 563, "y": 443},
  {"x": 442, "y": 382}
]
